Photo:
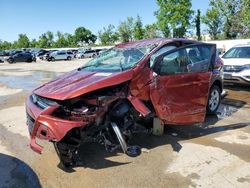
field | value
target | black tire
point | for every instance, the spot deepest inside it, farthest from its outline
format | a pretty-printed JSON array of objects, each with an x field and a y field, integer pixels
[
  {"x": 82, "y": 56},
  {"x": 52, "y": 59},
  {"x": 68, "y": 58},
  {"x": 93, "y": 56},
  {"x": 64, "y": 155},
  {"x": 29, "y": 60},
  {"x": 214, "y": 99},
  {"x": 10, "y": 60}
]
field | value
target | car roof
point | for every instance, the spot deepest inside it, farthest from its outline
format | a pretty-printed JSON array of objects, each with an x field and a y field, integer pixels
[
  {"x": 153, "y": 41},
  {"x": 242, "y": 45}
]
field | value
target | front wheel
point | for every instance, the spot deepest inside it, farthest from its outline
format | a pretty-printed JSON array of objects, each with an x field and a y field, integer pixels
[
  {"x": 68, "y": 58},
  {"x": 214, "y": 99}
]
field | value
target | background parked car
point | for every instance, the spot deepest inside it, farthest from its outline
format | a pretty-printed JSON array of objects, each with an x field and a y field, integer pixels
[
  {"x": 40, "y": 54},
  {"x": 60, "y": 55},
  {"x": 237, "y": 65},
  {"x": 87, "y": 54},
  {"x": 20, "y": 57}
]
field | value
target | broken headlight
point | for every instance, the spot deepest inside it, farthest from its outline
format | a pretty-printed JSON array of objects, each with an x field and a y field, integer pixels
[{"x": 42, "y": 102}]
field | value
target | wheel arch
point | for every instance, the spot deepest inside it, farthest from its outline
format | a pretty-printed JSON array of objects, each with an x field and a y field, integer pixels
[{"x": 218, "y": 83}]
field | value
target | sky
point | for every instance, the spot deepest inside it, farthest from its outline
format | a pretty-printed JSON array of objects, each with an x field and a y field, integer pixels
[{"x": 34, "y": 17}]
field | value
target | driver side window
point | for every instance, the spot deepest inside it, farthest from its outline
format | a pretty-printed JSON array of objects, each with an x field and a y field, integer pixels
[
  {"x": 185, "y": 60},
  {"x": 163, "y": 50}
]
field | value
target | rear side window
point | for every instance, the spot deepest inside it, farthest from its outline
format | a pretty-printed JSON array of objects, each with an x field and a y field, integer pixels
[
  {"x": 61, "y": 53},
  {"x": 185, "y": 60}
]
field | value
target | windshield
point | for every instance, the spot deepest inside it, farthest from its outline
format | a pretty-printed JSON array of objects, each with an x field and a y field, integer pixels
[
  {"x": 117, "y": 59},
  {"x": 239, "y": 52}
]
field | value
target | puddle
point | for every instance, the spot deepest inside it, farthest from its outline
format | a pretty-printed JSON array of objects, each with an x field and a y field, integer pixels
[
  {"x": 28, "y": 82},
  {"x": 225, "y": 111}
]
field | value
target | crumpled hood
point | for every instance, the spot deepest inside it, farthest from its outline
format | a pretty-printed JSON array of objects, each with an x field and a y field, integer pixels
[{"x": 76, "y": 83}]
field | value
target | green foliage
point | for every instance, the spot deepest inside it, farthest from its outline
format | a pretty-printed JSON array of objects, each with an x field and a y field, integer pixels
[
  {"x": 61, "y": 40},
  {"x": 108, "y": 35},
  {"x": 138, "y": 28},
  {"x": 234, "y": 16},
  {"x": 84, "y": 36},
  {"x": 22, "y": 42},
  {"x": 4, "y": 45},
  {"x": 213, "y": 21},
  {"x": 173, "y": 17},
  {"x": 198, "y": 24},
  {"x": 125, "y": 30},
  {"x": 151, "y": 31}
]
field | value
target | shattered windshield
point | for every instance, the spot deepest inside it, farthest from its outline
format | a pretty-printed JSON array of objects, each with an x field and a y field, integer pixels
[{"x": 117, "y": 59}]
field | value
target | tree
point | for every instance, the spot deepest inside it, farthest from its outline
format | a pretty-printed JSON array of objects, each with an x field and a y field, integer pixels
[
  {"x": 50, "y": 37},
  {"x": 245, "y": 15},
  {"x": 198, "y": 24},
  {"x": 213, "y": 21},
  {"x": 234, "y": 16},
  {"x": 84, "y": 36},
  {"x": 108, "y": 35},
  {"x": 22, "y": 42},
  {"x": 151, "y": 31},
  {"x": 138, "y": 28},
  {"x": 71, "y": 40},
  {"x": 43, "y": 41},
  {"x": 173, "y": 17},
  {"x": 61, "y": 40},
  {"x": 33, "y": 43},
  {"x": 4, "y": 45},
  {"x": 125, "y": 30}
]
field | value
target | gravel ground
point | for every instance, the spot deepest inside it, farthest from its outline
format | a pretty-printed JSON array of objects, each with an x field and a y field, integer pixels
[{"x": 213, "y": 154}]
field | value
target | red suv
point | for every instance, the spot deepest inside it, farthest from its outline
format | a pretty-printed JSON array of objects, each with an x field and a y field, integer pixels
[{"x": 121, "y": 92}]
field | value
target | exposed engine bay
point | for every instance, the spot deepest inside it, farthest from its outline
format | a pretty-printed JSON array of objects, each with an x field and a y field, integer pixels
[{"x": 112, "y": 121}]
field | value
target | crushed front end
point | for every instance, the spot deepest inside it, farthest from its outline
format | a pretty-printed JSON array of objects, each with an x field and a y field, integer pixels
[{"x": 105, "y": 116}]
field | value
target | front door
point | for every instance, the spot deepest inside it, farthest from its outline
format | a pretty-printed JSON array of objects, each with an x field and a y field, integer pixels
[{"x": 181, "y": 85}]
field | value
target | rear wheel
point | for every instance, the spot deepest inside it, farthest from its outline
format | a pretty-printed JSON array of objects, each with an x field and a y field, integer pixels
[
  {"x": 82, "y": 56},
  {"x": 11, "y": 60},
  {"x": 52, "y": 59},
  {"x": 214, "y": 99},
  {"x": 68, "y": 58}
]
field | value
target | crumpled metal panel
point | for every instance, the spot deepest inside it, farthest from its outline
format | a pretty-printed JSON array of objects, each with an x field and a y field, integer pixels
[
  {"x": 76, "y": 83},
  {"x": 181, "y": 99},
  {"x": 139, "y": 86}
]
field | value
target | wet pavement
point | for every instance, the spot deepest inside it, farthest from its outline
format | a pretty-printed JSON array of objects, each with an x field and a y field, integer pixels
[{"x": 212, "y": 154}]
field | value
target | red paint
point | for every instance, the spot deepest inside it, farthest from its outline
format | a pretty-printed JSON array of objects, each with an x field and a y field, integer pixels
[
  {"x": 77, "y": 83},
  {"x": 181, "y": 99},
  {"x": 176, "y": 99}
]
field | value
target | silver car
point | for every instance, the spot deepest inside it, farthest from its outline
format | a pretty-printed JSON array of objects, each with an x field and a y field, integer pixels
[
  {"x": 60, "y": 55},
  {"x": 87, "y": 54},
  {"x": 237, "y": 65}
]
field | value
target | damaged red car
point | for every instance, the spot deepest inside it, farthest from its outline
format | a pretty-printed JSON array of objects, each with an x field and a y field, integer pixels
[{"x": 120, "y": 93}]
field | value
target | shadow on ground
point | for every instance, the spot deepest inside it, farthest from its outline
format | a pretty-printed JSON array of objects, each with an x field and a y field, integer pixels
[
  {"x": 16, "y": 173},
  {"x": 95, "y": 156}
]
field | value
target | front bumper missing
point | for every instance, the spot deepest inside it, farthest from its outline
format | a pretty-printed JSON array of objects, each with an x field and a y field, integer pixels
[{"x": 43, "y": 125}]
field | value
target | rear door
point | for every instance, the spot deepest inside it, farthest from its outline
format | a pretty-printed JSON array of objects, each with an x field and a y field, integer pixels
[{"x": 181, "y": 85}]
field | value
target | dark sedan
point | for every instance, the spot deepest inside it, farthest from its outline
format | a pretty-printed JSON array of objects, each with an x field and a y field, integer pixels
[{"x": 21, "y": 57}]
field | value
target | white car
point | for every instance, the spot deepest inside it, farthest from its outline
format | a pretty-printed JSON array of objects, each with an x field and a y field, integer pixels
[
  {"x": 237, "y": 65},
  {"x": 87, "y": 54},
  {"x": 60, "y": 55}
]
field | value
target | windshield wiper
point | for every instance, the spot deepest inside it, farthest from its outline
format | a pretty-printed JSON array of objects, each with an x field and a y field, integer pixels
[{"x": 80, "y": 68}]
